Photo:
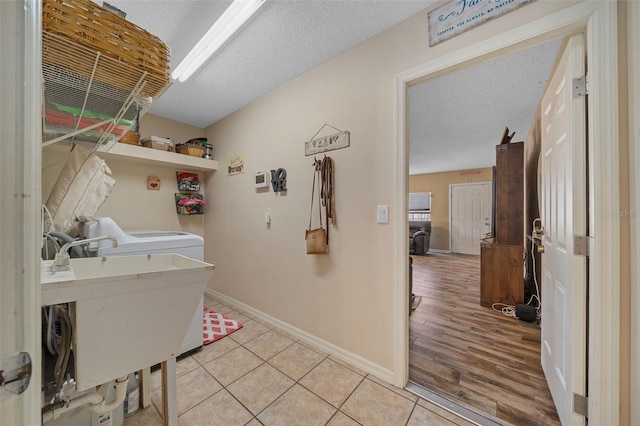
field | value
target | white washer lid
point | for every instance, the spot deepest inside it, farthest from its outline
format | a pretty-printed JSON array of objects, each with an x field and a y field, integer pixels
[{"x": 147, "y": 241}]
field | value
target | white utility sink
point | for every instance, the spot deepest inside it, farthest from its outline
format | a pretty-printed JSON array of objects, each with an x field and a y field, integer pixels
[{"x": 128, "y": 312}]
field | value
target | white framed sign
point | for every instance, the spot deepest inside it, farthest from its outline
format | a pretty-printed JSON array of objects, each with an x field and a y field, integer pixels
[{"x": 458, "y": 16}]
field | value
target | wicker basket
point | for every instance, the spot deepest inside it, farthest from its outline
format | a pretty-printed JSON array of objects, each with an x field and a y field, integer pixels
[
  {"x": 192, "y": 149},
  {"x": 87, "y": 24},
  {"x": 131, "y": 138}
]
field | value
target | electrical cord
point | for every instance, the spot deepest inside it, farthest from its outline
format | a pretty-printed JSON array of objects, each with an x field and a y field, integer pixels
[
  {"x": 535, "y": 279},
  {"x": 45, "y": 210},
  {"x": 508, "y": 310},
  {"x": 65, "y": 346},
  {"x": 54, "y": 337}
]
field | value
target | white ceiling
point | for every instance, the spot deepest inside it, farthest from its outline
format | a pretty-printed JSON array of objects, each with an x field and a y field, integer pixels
[
  {"x": 281, "y": 41},
  {"x": 455, "y": 120}
]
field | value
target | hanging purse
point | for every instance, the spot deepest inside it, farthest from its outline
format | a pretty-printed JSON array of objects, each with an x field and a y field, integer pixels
[
  {"x": 316, "y": 241},
  {"x": 316, "y": 238}
]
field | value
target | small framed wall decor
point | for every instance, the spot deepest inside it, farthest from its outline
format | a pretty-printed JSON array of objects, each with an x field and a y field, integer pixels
[
  {"x": 261, "y": 180},
  {"x": 153, "y": 182}
]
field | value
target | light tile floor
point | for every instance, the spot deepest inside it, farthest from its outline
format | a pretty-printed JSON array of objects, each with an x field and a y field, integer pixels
[{"x": 260, "y": 376}]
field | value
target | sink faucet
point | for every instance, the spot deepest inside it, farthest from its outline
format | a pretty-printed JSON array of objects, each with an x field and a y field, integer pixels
[{"x": 62, "y": 260}]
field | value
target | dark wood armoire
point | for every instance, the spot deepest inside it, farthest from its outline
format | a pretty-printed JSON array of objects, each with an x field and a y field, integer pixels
[{"x": 502, "y": 256}]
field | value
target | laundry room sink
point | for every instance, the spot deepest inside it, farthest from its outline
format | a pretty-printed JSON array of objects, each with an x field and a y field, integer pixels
[{"x": 128, "y": 312}]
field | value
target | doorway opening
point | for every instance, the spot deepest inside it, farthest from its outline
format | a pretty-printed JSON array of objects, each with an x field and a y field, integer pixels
[
  {"x": 463, "y": 352},
  {"x": 599, "y": 21}
]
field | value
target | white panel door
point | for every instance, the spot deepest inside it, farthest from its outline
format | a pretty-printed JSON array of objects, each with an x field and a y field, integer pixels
[
  {"x": 470, "y": 216},
  {"x": 20, "y": 136},
  {"x": 563, "y": 210}
]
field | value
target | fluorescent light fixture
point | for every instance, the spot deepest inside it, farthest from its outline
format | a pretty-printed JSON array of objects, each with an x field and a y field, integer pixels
[{"x": 224, "y": 27}]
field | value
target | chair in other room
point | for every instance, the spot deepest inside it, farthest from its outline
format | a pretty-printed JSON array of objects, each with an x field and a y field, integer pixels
[{"x": 419, "y": 237}]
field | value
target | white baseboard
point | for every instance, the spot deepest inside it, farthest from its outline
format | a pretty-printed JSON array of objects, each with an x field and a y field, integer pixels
[
  {"x": 322, "y": 345},
  {"x": 438, "y": 251}
]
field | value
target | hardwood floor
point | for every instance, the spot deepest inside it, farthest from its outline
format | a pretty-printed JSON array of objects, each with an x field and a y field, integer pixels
[{"x": 472, "y": 354}]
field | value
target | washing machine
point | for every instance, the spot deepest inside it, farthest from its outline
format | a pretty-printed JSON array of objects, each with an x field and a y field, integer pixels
[{"x": 150, "y": 242}]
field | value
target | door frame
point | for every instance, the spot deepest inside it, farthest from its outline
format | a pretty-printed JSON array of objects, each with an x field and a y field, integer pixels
[
  {"x": 451, "y": 206},
  {"x": 599, "y": 22},
  {"x": 633, "y": 40},
  {"x": 20, "y": 196}
]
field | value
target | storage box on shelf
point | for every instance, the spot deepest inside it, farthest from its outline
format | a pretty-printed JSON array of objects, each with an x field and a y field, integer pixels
[
  {"x": 193, "y": 149},
  {"x": 99, "y": 70},
  {"x": 155, "y": 142},
  {"x": 130, "y": 137}
]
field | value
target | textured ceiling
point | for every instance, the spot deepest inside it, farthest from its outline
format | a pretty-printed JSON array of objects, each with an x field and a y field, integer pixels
[
  {"x": 281, "y": 41},
  {"x": 455, "y": 121}
]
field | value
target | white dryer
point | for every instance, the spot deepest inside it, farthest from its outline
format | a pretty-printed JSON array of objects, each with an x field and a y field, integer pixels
[{"x": 150, "y": 242}]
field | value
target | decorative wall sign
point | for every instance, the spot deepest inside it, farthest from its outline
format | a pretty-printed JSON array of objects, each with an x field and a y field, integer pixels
[
  {"x": 236, "y": 165},
  {"x": 153, "y": 182},
  {"x": 327, "y": 143},
  {"x": 279, "y": 180},
  {"x": 458, "y": 16}
]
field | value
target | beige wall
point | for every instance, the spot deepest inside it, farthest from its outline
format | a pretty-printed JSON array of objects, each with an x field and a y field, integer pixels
[
  {"x": 130, "y": 204},
  {"x": 163, "y": 127},
  {"x": 347, "y": 297},
  {"x": 438, "y": 185}
]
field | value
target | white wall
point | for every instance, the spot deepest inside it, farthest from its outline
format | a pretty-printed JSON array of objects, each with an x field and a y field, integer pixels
[{"x": 345, "y": 298}]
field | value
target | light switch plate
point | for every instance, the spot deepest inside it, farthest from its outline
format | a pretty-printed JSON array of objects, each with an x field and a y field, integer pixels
[{"x": 383, "y": 214}]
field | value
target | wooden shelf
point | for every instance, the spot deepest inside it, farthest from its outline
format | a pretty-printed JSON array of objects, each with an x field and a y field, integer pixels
[
  {"x": 509, "y": 194},
  {"x": 501, "y": 257},
  {"x": 141, "y": 154}
]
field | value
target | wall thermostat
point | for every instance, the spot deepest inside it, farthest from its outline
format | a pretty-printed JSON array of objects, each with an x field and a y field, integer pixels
[{"x": 260, "y": 180}]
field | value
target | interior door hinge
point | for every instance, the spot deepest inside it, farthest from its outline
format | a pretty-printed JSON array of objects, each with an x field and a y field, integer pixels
[
  {"x": 581, "y": 245},
  {"x": 580, "y": 86},
  {"x": 580, "y": 405}
]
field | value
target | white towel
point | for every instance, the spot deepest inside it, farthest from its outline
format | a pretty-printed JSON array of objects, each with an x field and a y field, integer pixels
[{"x": 83, "y": 185}]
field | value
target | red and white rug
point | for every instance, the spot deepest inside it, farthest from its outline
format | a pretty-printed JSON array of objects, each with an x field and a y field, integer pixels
[{"x": 216, "y": 326}]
